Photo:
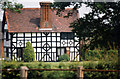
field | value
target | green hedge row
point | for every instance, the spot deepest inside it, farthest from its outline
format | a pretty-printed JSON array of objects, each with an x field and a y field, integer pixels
[
  {"x": 98, "y": 54},
  {"x": 62, "y": 74}
]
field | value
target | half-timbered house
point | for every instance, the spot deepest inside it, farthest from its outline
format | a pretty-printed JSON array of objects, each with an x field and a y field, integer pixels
[{"x": 49, "y": 34}]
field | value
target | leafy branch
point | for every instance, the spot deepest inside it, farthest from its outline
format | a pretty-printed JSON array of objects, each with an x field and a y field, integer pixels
[{"x": 15, "y": 7}]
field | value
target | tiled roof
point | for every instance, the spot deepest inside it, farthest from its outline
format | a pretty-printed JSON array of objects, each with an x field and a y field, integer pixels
[{"x": 29, "y": 20}]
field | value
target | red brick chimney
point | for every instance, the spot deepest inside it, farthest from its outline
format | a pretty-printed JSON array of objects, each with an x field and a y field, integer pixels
[{"x": 45, "y": 16}]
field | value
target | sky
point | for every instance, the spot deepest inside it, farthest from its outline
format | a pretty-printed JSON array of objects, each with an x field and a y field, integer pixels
[{"x": 35, "y": 4}]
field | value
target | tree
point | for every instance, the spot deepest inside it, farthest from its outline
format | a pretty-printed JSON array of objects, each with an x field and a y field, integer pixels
[
  {"x": 29, "y": 54},
  {"x": 13, "y": 6},
  {"x": 99, "y": 30}
]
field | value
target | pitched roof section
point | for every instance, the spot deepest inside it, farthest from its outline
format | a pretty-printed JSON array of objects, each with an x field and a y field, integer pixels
[{"x": 29, "y": 21}]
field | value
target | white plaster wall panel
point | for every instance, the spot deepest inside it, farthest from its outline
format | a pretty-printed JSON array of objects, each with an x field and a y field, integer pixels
[
  {"x": 20, "y": 34},
  {"x": 28, "y": 39},
  {"x": 58, "y": 44},
  {"x": 5, "y": 27},
  {"x": 76, "y": 50},
  {"x": 38, "y": 34},
  {"x": 33, "y": 34},
  {"x": 53, "y": 34},
  {"x": 27, "y": 34},
  {"x": 58, "y": 38},
  {"x": 72, "y": 56},
  {"x": 43, "y": 50},
  {"x": 6, "y": 43},
  {"x": 58, "y": 34},
  {"x": 53, "y": 49},
  {"x": 54, "y": 44},
  {"x": 9, "y": 36},
  {"x": 53, "y": 38},
  {"x": 49, "y": 34},
  {"x": 48, "y": 59},
  {"x": 14, "y": 39},
  {"x": 14, "y": 35},
  {"x": 76, "y": 43},
  {"x": 33, "y": 39},
  {"x": 38, "y": 49},
  {"x": 43, "y": 43},
  {"x": 76, "y": 38},
  {"x": 49, "y": 50},
  {"x": 9, "y": 50},
  {"x": 38, "y": 39},
  {"x": 49, "y": 43},
  {"x": 15, "y": 51},
  {"x": 43, "y": 38},
  {"x": 15, "y": 44},
  {"x": 62, "y": 52},
  {"x": 71, "y": 49},
  {"x": 54, "y": 56},
  {"x": 58, "y": 51},
  {"x": 38, "y": 44},
  {"x": 33, "y": 44},
  {"x": 48, "y": 38},
  {"x": 15, "y": 56},
  {"x": 43, "y": 34},
  {"x": 19, "y": 39}
]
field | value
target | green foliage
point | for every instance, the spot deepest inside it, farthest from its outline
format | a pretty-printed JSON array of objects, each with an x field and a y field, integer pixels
[
  {"x": 103, "y": 65},
  {"x": 64, "y": 58},
  {"x": 29, "y": 54},
  {"x": 95, "y": 28},
  {"x": 15, "y": 7},
  {"x": 97, "y": 54}
]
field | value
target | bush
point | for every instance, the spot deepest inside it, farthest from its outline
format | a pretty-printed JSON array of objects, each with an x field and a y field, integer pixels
[
  {"x": 98, "y": 54},
  {"x": 64, "y": 57},
  {"x": 103, "y": 65},
  {"x": 29, "y": 54}
]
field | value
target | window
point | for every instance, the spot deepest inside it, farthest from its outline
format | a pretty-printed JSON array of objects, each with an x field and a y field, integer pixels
[
  {"x": 67, "y": 35},
  {"x": 61, "y": 51}
]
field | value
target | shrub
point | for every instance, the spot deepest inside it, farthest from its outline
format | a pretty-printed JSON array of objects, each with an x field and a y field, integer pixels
[
  {"x": 29, "y": 54},
  {"x": 64, "y": 57},
  {"x": 103, "y": 65}
]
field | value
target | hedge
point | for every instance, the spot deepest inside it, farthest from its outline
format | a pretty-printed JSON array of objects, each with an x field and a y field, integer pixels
[{"x": 62, "y": 74}]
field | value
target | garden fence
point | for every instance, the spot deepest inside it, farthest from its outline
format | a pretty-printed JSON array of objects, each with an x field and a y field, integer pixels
[{"x": 80, "y": 71}]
